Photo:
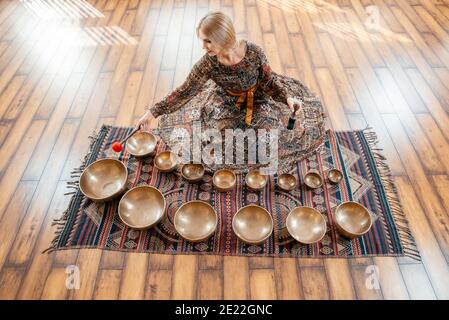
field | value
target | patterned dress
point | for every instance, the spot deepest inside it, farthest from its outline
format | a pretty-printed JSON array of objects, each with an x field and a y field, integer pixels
[{"x": 204, "y": 99}]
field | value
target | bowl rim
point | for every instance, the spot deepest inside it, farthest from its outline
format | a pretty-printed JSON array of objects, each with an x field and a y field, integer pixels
[
  {"x": 239, "y": 235},
  {"x": 149, "y": 225},
  {"x": 162, "y": 152},
  {"x": 115, "y": 193},
  {"x": 145, "y": 154},
  {"x": 337, "y": 170},
  {"x": 287, "y": 174},
  {"x": 186, "y": 164},
  {"x": 253, "y": 171},
  {"x": 353, "y": 233},
  {"x": 221, "y": 170},
  {"x": 197, "y": 239},
  {"x": 313, "y": 209},
  {"x": 316, "y": 173}
]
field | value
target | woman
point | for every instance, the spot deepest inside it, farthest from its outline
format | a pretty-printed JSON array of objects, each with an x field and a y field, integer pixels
[{"x": 232, "y": 86}]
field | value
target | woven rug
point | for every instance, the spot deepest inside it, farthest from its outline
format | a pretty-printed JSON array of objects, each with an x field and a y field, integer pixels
[{"x": 86, "y": 224}]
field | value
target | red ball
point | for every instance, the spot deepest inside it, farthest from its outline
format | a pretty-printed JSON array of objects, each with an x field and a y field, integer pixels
[{"x": 117, "y": 147}]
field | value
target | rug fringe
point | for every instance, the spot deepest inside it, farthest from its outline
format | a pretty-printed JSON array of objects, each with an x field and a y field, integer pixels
[
  {"x": 73, "y": 184},
  {"x": 408, "y": 243}
]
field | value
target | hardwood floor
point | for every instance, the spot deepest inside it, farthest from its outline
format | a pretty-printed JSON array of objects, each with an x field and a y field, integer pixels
[{"x": 67, "y": 67}]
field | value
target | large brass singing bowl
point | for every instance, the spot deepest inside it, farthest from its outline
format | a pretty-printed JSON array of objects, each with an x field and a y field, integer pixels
[
  {"x": 287, "y": 181},
  {"x": 252, "y": 224},
  {"x": 166, "y": 161},
  {"x": 142, "y": 207},
  {"x": 334, "y": 176},
  {"x": 224, "y": 180},
  {"x": 192, "y": 172},
  {"x": 352, "y": 219},
  {"x": 141, "y": 144},
  {"x": 195, "y": 220},
  {"x": 104, "y": 179},
  {"x": 306, "y": 225},
  {"x": 313, "y": 180},
  {"x": 255, "y": 180}
]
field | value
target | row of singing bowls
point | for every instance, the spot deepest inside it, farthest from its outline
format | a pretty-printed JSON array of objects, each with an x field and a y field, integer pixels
[{"x": 313, "y": 179}]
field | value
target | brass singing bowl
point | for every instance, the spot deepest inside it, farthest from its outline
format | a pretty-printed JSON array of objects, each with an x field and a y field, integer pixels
[
  {"x": 313, "y": 180},
  {"x": 166, "y": 161},
  {"x": 252, "y": 224},
  {"x": 142, "y": 207},
  {"x": 195, "y": 220},
  {"x": 193, "y": 172},
  {"x": 255, "y": 180},
  {"x": 104, "y": 179},
  {"x": 334, "y": 176},
  {"x": 306, "y": 225},
  {"x": 141, "y": 144},
  {"x": 224, "y": 180},
  {"x": 287, "y": 181},
  {"x": 352, "y": 219}
]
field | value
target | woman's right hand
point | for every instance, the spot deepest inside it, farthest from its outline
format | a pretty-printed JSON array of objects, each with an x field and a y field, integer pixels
[{"x": 143, "y": 122}]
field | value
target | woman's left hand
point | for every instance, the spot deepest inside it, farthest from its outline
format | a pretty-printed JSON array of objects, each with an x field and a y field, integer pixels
[{"x": 294, "y": 104}]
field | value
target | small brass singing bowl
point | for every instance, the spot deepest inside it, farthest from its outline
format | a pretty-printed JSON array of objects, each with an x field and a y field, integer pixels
[
  {"x": 255, "y": 180},
  {"x": 306, "y": 225},
  {"x": 287, "y": 181},
  {"x": 166, "y": 161},
  {"x": 195, "y": 221},
  {"x": 104, "y": 179},
  {"x": 192, "y": 172},
  {"x": 142, "y": 207},
  {"x": 224, "y": 180},
  {"x": 313, "y": 180},
  {"x": 334, "y": 176},
  {"x": 141, "y": 144},
  {"x": 252, "y": 224},
  {"x": 352, "y": 219}
]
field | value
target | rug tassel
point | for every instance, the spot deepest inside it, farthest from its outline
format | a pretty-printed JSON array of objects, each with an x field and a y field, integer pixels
[
  {"x": 60, "y": 223},
  {"x": 409, "y": 247}
]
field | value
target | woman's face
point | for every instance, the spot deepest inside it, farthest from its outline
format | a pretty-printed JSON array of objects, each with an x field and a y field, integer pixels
[{"x": 210, "y": 48}]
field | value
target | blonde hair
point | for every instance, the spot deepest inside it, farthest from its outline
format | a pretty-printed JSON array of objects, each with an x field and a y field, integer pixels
[{"x": 218, "y": 27}]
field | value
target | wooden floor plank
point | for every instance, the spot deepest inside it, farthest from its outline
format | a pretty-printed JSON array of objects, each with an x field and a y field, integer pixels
[
  {"x": 314, "y": 283},
  {"x": 262, "y": 284},
  {"x": 433, "y": 259},
  {"x": 185, "y": 277},
  {"x": 236, "y": 284}
]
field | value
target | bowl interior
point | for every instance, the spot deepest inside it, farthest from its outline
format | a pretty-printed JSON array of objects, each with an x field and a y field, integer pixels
[
  {"x": 103, "y": 179},
  {"x": 141, "y": 143},
  {"x": 224, "y": 178},
  {"x": 195, "y": 220},
  {"x": 335, "y": 175},
  {"x": 193, "y": 171},
  {"x": 256, "y": 180},
  {"x": 286, "y": 181},
  {"x": 165, "y": 160},
  {"x": 353, "y": 218},
  {"x": 142, "y": 207},
  {"x": 306, "y": 225},
  {"x": 252, "y": 224},
  {"x": 313, "y": 180}
]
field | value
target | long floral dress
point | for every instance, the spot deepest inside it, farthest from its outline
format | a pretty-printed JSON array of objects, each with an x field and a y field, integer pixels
[{"x": 204, "y": 98}]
